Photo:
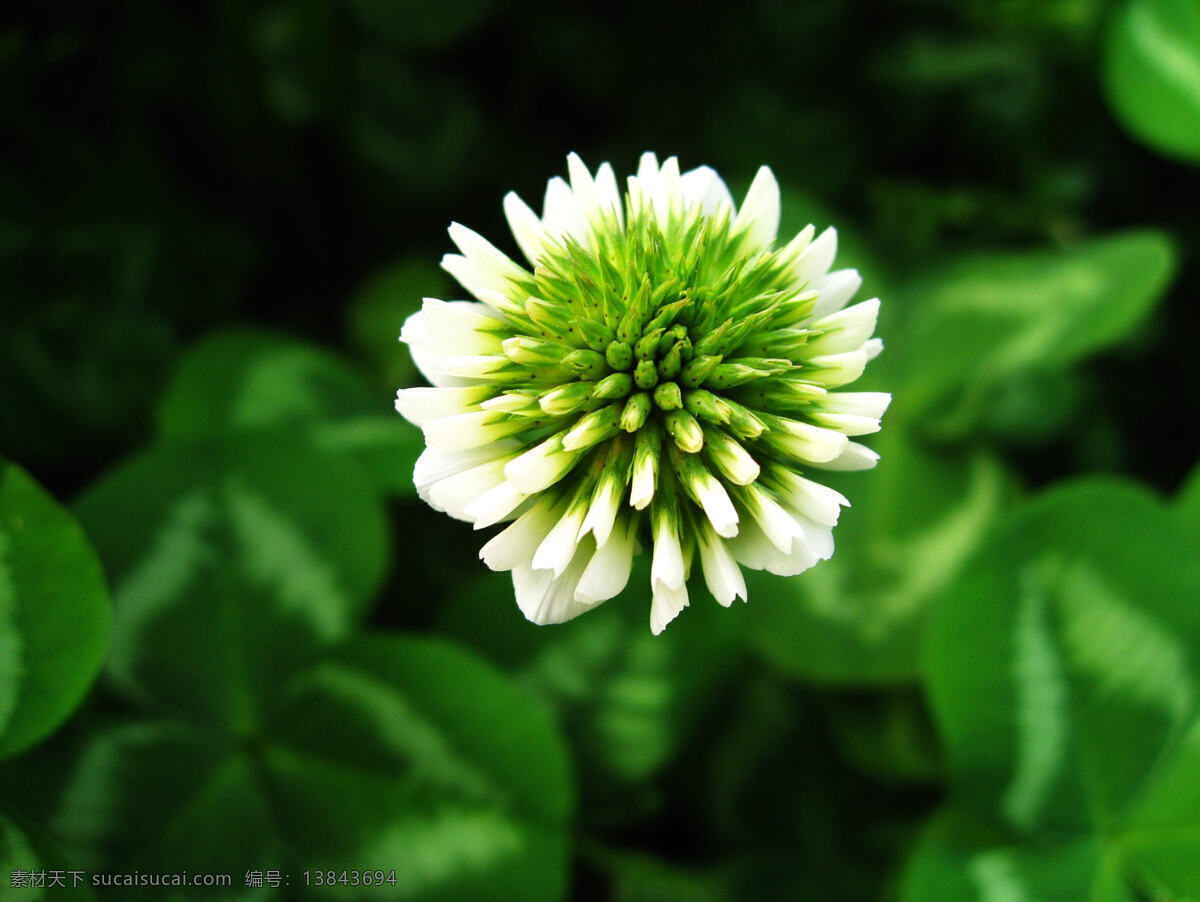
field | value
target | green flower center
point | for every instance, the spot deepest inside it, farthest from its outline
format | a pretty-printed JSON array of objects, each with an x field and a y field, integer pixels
[{"x": 650, "y": 322}]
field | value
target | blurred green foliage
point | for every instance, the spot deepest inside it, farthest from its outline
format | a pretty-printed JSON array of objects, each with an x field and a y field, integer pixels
[{"x": 214, "y": 220}]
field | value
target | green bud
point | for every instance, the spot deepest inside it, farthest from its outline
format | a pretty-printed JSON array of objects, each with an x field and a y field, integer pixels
[
  {"x": 795, "y": 309},
  {"x": 743, "y": 422},
  {"x": 647, "y": 346},
  {"x": 668, "y": 397},
  {"x": 672, "y": 363},
  {"x": 614, "y": 385},
  {"x": 734, "y": 462},
  {"x": 566, "y": 398},
  {"x": 706, "y": 406},
  {"x": 685, "y": 430},
  {"x": 589, "y": 364},
  {"x": 695, "y": 372},
  {"x": 631, "y": 323},
  {"x": 667, "y": 314},
  {"x": 644, "y": 472},
  {"x": 619, "y": 355},
  {"x": 784, "y": 394},
  {"x": 529, "y": 351},
  {"x": 714, "y": 341},
  {"x": 745, "y": 369},
  {"x": 637, "y": 408},
  {"x": 595, "y": 334},
  {"x": 518, "y": 403},
  {"x": 593, "y": 428},
  {"x": 646, "y": 374},
  {"x": 779, "y": 343},
  {"x": 670, "y": 337},
  {"x": 548, "y": 316}
]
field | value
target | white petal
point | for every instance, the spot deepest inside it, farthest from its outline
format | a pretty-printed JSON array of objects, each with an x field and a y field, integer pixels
[
  {"x": 834, "y": 291},
  {"x": 835, "y": 370},
  {"x": 860, "y": 403},
  {"x": 759, "y": 215},
  {"x": 807, "y": 442},
  {"x": 873, "y": 348},
  {"x": 794, "y": 248},
  {"x": 667, "y": 564},
  {"x": 488, "y": 258},
  {"x": 717, "y": 507},
  {"x": 667, "y": 603},
  {"x": 426, "y": 353},
  {"x": 435, "y": 464},
  {"x": 515, "y": 544},
  {"x": 853, "y": 457},
  {"x": 704, "y": 188},
  {"x": 561, "y": 213},
  {"x": 462, "y": 327},
  {"x": 470, "y": 430},
  {"x": 583, "y": 185},
  {"x": 641, "y": 491},
  {"x": 420, "y": 405},
  {"x": 817, "y": 258},
  {"x": 526, "y": 227},
  {"x": 847, "y": 423},
  {"x": 475, "y": 366},
  {"x": 818, "y": 537},
  {"x": 541, "y": 466},
  {"x": 602, "y": 513},
  {"x": 454, "y": 493},
  {"x": 647, "y": 172},
  {"x": 644, "y": 185},
  {"x": 558, "y": 548},
  {"x": 543, "y": 598},
  {"x": 608, "y": 571},
  {"x": 845, "y": 330},
  {"x": 778, "y": 525},
  {"x": 721, "y": 572},
  {"x": 494, "y": 505},
  {"x": 608, "y": 196},
  {"x": 668, "y": 192},
  {"x": 809, "y": 499},
  {"x": 753, "y": 549},
  {"x": 471, "y": 277}
]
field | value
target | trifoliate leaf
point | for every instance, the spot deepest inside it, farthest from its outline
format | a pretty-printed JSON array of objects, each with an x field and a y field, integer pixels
[
  {"x": 233, "y": 560},
  {"x": 406, "y": 756},
  {"x": 1064, "y": 671},
  {"x": 1152, "y": 73},
  {"x": 980, "y": 321},
  {"x": 54, "y": 612},
  {"x": 246, "y": 379}
]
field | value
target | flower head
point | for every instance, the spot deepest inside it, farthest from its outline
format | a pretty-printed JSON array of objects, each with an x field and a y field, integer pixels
[{"x": 662, "y": 374}]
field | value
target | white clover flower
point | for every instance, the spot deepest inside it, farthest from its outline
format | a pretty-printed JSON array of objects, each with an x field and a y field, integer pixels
[{"x": 663, "y": 374}]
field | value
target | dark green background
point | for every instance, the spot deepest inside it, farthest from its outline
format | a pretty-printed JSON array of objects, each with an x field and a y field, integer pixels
[{"x": 214, "y": 219}]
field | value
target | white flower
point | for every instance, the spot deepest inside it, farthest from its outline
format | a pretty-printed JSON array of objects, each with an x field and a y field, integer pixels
[{"x": 660, "y": 373}]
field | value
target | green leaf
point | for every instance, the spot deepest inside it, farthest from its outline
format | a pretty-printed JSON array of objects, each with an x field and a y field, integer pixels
[
  {"x": 244, "y": 379},
  {"x": 1063, "y": 666},
  {"x": 980, "y": 321},
  {"x": 25, "y": 851},
  {"x": 627, "y": 699},
  {"x": 1152, "y": 73},
  {"x": 54, "y": 612},
  {"x": 856, "y": 618},
  {"x": 1187, "y": 505},
  {"x": 402, "y": 754},
  {"x": 955, "y": 859},
  {"x": 234, "y": 560}
]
